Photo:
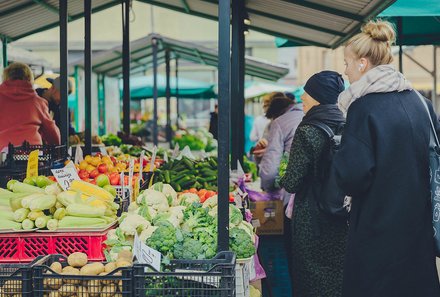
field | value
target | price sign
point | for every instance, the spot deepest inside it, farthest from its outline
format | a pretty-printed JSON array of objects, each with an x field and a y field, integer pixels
[
  {"x": 32, "y": 165},
  {"x": 121, "y": 177},
  {"x": 141, "y": 166},
  {"x": 165, "y": 157},
  {"x": 65, "y": 176},
  {"x": 78, "y": 154},
  {"x": 175, "y": 151},
  {"x": 130, "y": 173},
  {"x": 103, "y": 150},
  {"x": 153, "y": 159},
  {"x": 145, "y": 254}
]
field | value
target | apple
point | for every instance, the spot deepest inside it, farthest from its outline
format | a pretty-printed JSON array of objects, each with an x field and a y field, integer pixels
[
  {"x": 94, "y": 173},
  {"x": 102, "y": 168},
  {"x": 102, "y": 180},
  {"x": 29, "y": 181},
  {"x": 110, "y": 189}
]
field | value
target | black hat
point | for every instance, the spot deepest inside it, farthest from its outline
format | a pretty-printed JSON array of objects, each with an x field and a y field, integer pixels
[
  {"x": 325, "y": 87},
  {"x": 56, "y": 82}
]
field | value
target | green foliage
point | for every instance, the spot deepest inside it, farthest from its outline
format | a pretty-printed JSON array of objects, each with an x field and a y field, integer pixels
[{"x": 241, "y": 243}]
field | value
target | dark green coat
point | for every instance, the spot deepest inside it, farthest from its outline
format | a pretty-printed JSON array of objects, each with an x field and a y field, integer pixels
[{"x": 318, "y": 241}]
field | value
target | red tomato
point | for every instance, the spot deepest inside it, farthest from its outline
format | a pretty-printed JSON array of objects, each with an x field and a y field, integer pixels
[
  {"x": 94, "y": 173},
  {"x": 193, "y": 190},
  {"x": 114, "y": 180},
  {"x": 52, "y": 178},
  {"x": 231, "y": 198},
  {"x": 83, "y": 174}
]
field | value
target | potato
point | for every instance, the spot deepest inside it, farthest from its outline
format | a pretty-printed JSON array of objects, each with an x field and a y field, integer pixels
[
  {"x": 12, "y": 287},
  {"x": 127, "y": 255},
  {"x": 82, "y": 292},
  {"x": 70, "y": 269},
  {"x": 94, "y": 288},
  {"x": 109, "y": 290},
  {"x": 105, "y": 281},
  {"x": 123, "y": 263},
  {"x": 109, "y": 267},
  {"x": 92, "y": 269},
  {"x": 52, "y": 283},
  {"x": 67, "y": 290},
  {"x": 54, "y": 294},
  {"x": 56, "y": 267},
  {"x": 77, "y": 259}
]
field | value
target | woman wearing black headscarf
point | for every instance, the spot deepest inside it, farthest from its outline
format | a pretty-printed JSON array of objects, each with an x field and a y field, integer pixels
[{"x": 318, "y": 240}]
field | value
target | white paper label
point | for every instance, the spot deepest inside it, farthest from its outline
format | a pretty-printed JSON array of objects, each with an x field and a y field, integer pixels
[
  {"x": 175, "y": 151},
  {"x": 165, "y": 157},
  {"x": 130, "y": 173},
  {"x": 145, "y": 254},
  {"x": 65, "y": 176},
  {"x": 141, "y": 166},
  {"x": 103, "y": 150},
  {"x": 153, "y": 159},
  {"x": 78, "y": 154},
  {"x": 121, "y": 178}
]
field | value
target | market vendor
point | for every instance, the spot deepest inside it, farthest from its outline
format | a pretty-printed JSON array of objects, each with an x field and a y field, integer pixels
[
  {"x": 24, "y": 116},
  {"x": 53, "y": 97}
]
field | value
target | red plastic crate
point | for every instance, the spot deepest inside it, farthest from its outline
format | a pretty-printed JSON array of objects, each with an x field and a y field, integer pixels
[{"x": 25, "y": 247}]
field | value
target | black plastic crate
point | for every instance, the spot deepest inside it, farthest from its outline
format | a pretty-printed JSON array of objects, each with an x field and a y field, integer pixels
[
  {"x": 48, "y": 283},
  {"x": 49, "y": 154},
  {"x": 16, "y": 279},
  {"x": 187, "y": 278},
  {"x": 19, "y": 174}
]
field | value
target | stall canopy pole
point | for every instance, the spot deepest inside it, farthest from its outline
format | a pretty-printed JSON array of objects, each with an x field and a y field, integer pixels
[
  {"x": 88, "y": 75},
  {"x": 168, "y": 95},
  {"x": 5, "y": 51},
  {"x": 126, "y": 65},
  {"x": 434, "y": 76},
  {"x": 399, "y": 34},
  {"x": 155, "y": 134},
  {"x": 64, "y": 110},
  {"x": 224, "y": 97},
  {"x": 177, "y": 94}
]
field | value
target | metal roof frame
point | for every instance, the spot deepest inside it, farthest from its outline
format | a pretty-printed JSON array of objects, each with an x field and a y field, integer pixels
[
  {"x": 21, "y": 18},
  {"x": 110, "y": 62},
  {"x": 324, "y": 23}
]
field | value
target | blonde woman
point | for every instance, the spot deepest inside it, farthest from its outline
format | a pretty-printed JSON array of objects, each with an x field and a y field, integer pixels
[
  {"x": 23, "y": 115},
  {"x": 383, "y": 165}
]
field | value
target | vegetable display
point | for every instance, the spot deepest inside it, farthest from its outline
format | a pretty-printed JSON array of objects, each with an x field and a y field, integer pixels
[
  {"x": 83, "y": 206},
  {"x": 195, "y": 140},
  {"x": 186, "y": 174},
  {"x": 178, "y": 226}
]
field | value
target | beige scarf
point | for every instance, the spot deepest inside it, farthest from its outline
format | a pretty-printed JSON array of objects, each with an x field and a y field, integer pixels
[{"x": 380, "y": 79}]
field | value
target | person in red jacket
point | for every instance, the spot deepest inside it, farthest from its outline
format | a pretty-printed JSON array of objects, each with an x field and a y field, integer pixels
[{"x": 24, "y": 116}]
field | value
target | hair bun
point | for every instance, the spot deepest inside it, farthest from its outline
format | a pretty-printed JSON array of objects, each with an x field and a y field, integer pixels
[{"x": 380, "y": 31}]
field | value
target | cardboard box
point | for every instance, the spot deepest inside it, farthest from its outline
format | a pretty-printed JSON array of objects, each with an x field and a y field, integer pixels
[{"x": 268, "y": 217}]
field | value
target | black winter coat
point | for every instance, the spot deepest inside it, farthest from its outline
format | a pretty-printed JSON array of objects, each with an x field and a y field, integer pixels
[
  {"x": 318, "y": 241},
  {"x": 383, "y": 164}
]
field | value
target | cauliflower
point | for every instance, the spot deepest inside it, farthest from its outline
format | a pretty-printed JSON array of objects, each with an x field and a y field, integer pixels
[
  {"x": 133, "y": 223},
  {"x": 211, "y": 202},
  {"x": 133, "y": 207},
  {"x": 146, "y": 233},
  {"x": 177, "y": 211},
  {"x": 146, "y": 212},
  {"x": 111, "y": 235},
  {"x": 167, "y": 190},
  {"x": 188, "y": 198},
  {"x": 154, "y": 199}
]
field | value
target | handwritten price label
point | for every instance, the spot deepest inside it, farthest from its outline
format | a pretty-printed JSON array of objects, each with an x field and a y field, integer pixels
[{"x": 65, "y": 176}]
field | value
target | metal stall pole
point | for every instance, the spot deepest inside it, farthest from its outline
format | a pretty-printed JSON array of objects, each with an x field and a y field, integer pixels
[
  {"x": 126, "y": 65},
  {"x": 5, "y": 51},
  {"x": 64, "y": 109},
  {"x": 399, "y": 34},
  {"x": 237, "y": 83},
  {"x": 177, "y": 94},
  {"x": 88, "y": 75},
  {"x": 434, "y": 76},
  {"x": 168, "y": 95},
  {"x": 155, "y": 133},
  {"x": 224, "y": 98}
]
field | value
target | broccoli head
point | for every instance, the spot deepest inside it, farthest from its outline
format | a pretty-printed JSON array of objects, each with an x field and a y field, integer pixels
[
  {"x": 163, "y": 238},
  {"x": 241, "y": 243}
]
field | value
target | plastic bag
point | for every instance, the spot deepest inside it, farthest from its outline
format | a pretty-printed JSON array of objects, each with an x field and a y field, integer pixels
[{"x": 289, "y": 208}]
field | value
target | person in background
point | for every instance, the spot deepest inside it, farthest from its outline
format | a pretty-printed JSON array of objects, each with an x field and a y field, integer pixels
[
  {"x": 53, "y": 97},
  {"x": 213, "y": 122},
  {"x": 318, "y": 240},
  {"x": 285, "y": 115},
  {"x": 24, "y": 116},
  {"x": 261, "y": 131},
  {"x": 261, "y": 122},
  {"x": 383, "y": 163}
]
